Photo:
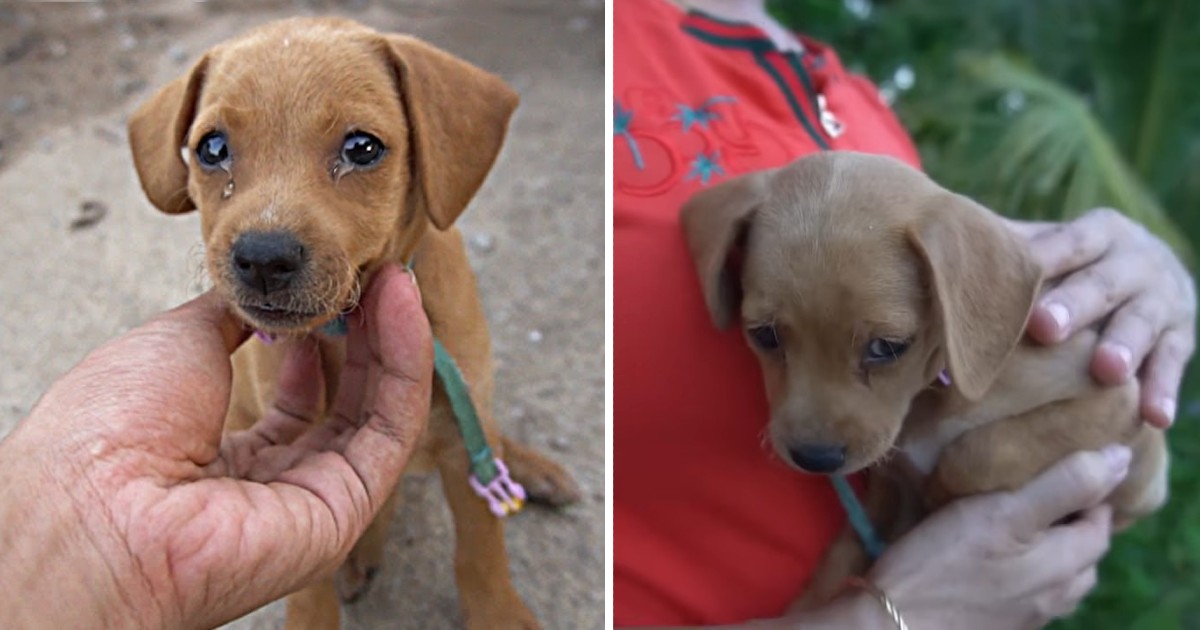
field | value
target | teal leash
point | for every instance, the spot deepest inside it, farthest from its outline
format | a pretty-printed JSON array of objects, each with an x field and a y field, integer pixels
[
  {"x": 489, "y": 476},
  {"x": 858, "y": 517},
  {"x": 854, "y": 508}
]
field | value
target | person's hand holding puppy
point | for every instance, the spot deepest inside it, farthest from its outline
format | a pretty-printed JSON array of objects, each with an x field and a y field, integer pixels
[
  {"x": 1111, "y": 267},
  {"x": 123, "y": 505},
  {"x": 999, "y": 561}
]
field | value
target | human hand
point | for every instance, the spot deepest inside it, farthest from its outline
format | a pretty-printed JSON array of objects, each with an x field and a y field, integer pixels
[
  {"x": 1111, "y": 266},
  {"x": 123, "y": 505},
  {"x": 997, "y": 561}
]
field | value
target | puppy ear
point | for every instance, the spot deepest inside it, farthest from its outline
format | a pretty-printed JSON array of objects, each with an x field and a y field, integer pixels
[
  {"x": 715, "y": 221},
  {"x": 458, "y": 116},
  {"x": 157, "y": 130},
  {"x": 983, "y": 283}
]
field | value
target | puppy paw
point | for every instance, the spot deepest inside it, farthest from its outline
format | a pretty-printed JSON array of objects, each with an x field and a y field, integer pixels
[
  {"x": 544, "y": 480},
  {"x": 512, "y": 616},
  {"x": 354, "y": 579}
]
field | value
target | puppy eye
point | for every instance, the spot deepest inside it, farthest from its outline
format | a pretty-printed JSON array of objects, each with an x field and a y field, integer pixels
[
  {"x": 883, "y": 351},
  {"x": 213, "y": 150},
  {"x": 362, "y": 149},
  {"x": 765, "y": 337}
]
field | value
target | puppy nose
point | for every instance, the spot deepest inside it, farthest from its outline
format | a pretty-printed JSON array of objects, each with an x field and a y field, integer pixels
[
  {"x": 267, "y": 261},
  {"x": 818, "y": 458}
]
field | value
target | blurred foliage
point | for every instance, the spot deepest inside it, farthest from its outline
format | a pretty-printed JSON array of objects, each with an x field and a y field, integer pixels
[
  {"x": 1043, "y": 110},
  {"x": 1039, "y": 109}
]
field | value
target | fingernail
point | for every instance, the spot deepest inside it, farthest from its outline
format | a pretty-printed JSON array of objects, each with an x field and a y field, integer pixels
[
  {"x": 1125, "y": 355},
  {"x": 412, "y": 276},
  {"x": 1167, "y": 406},
  {"x": 1060, "y": 315},
  {"x": 1118, "y": 457}
]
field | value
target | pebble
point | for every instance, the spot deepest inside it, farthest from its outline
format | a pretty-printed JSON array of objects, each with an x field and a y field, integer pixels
[
  {"x": 127, "y": 41},
  {"x": 18, "y": 105},
  {"x": 177, "y": 53},
  {"x": 559, "y": 443},
  {"x": 57, "y": 48},
  {"x": 483, "y": 242},
  {"x": 535, "y": 336},
  {"x": 90, "y": 213}
]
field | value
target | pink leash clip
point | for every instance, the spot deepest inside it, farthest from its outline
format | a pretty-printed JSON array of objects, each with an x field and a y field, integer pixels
[{"x": 504, "y": 496}]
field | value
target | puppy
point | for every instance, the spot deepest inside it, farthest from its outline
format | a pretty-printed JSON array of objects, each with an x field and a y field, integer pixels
[
  {"x": 888, "y": 316},
  {"x": 317, "y": 150}
]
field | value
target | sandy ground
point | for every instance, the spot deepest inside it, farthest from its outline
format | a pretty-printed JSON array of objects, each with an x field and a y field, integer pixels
[{"x": 69, "y": 75}]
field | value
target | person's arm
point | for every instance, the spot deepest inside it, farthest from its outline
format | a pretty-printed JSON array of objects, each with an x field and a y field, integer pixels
[
  {"x": 990, "y": 562},
  {"x": 122, "y": 505}
]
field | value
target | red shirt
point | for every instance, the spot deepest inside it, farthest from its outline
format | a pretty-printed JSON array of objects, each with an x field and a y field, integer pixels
[{"x": 708, "y": 527}]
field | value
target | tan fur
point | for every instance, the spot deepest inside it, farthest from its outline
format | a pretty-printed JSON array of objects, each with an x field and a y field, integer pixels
[
  {"x": 286, "y": 95},
  {"x": 839, "y": 248}
]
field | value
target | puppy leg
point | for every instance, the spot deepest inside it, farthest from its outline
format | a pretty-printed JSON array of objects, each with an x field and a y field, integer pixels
[
  {"x": 315, "y": 607},
  {"x": 1145, "y": 488},
  {"x": 357, "y": 573},
  {"x": 544, "y": 480},
  {"x": 1006, "y": 454},
  {"x": 480, "y": 559},
  {"x": 845, "y": 557}
]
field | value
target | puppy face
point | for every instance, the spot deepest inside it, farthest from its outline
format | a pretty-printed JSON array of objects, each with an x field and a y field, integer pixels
[
  {"x": 296, "y": 162},
  {"x": 860, "y": 280},
  {"x": 316, "y": 150}
]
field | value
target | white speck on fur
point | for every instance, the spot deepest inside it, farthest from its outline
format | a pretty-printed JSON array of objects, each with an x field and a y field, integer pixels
[
  {"x": 286, "y": 42},
  {"x": 185, "y": 155}
]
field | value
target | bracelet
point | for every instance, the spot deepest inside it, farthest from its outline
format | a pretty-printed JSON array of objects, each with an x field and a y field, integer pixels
[{"x": 877, "y": 593}]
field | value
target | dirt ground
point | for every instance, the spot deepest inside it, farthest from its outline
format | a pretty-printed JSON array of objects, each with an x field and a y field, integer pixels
[{"x": 70, "y": 73}]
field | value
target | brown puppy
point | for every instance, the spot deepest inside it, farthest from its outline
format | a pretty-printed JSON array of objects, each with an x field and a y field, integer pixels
[
  {"x": 318, "y": 150},
  {"x": 861, "y": 285}
]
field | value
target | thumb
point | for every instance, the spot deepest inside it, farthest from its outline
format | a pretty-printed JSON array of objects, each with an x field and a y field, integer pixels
[
  {"x": 203, "y": 321},
  {"x": 1074, "y": 484},
  {"x": 396, "y": 334}
]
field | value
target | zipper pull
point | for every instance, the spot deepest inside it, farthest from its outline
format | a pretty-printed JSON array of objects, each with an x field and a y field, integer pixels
[{"x": 829, "y": 122}]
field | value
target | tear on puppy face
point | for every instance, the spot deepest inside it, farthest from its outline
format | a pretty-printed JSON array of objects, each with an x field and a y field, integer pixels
[
  {"x": 316, "y": 150},
  {"x": 857, "y": 281}
]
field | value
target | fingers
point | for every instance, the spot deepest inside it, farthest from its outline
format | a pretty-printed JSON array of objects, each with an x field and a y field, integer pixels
[
  {"x": 1162, "y": 375},
  {"x": 1076, "y": 483},
  {"x": 1078, "y": 545},
  {"x": 1127, "y": 339},
  {"x": 1069, "y": 246},
  {"x": 400, "y": 345},
  {"x": 297, "y": 394},
  {"x": 1065, "y": 600},
  {"x": 1085, "y": 297},
  {"x": 1029, "y": 229}
]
